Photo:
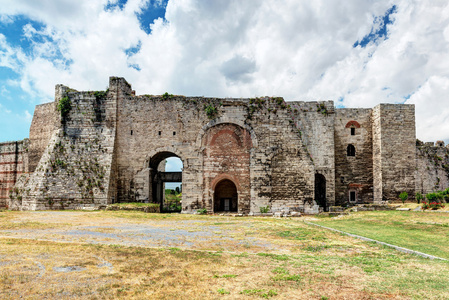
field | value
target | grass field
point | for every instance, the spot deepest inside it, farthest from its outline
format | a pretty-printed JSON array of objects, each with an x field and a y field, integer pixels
[
  {"x": 426, "y": 232},
  {"x": 292, "y": 260}
]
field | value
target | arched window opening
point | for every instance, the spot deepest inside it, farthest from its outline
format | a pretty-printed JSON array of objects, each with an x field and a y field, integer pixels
[{"x": 350, "y": 150}]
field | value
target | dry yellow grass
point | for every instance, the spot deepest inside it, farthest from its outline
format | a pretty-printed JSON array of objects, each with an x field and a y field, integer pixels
[{"x": 292, "y": 261}]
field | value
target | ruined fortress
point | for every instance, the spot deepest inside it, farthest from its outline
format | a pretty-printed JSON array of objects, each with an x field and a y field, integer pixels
[{"x": 238, "y": 155}]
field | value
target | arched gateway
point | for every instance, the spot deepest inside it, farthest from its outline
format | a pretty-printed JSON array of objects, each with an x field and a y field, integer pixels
[{"x": 158, "y": 177}]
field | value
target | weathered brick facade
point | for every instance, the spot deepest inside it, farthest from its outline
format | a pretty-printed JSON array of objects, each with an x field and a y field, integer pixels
[
  {"x": 13, "y": 163},
  {"x": 237, "y": 154}
]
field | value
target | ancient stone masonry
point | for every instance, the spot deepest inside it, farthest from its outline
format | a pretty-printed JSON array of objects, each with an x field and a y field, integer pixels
[
  {"x": 238, "y": 155},
  {"x": 13, "y": 163},
  {"x": 432, "y": 167}
]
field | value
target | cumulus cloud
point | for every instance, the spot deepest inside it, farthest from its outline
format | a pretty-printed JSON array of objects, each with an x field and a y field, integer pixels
[
  {"x": 238, "y": 69},
  {"x": 347, "y": 51}
]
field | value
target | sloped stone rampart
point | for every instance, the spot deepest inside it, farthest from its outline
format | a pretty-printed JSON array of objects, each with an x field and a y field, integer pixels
[{"x": 75, "y": 167}]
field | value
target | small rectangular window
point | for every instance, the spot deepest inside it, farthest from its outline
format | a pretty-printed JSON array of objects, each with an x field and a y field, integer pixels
[
  {"x": 131, "y": 132},
  {"x": 174, "y": 132},
  {"x": 352, "y": 196},
  {"x": 160, "y": 132},
  {"x": 352, "y": 131}
]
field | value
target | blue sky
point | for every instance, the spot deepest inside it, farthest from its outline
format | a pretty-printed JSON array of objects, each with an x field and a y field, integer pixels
[{"x": 357, "y": 53}]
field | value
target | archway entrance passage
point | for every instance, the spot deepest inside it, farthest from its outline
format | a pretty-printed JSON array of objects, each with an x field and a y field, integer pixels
[
  {"x": 225, "y": 197},
  {"x": 166, "y": 181},
  {"x": 320, "y": 191}
]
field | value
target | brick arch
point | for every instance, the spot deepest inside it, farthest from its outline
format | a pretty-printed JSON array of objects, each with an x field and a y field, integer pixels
[
  {"x": 225, "y": 177},
  {"x": 352, "y": 124},
  {"x": 233, "y": 135},
  {"x": 225, "y": 120}
]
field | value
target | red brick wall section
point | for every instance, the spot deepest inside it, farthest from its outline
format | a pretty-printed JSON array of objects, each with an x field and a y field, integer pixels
[
  {"x": 11, "y": 167},
  {"x": 227, "y": 156}
]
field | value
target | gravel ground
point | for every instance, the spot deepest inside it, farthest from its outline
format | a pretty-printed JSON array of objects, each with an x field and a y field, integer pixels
[{"x": 85, "y": 227}]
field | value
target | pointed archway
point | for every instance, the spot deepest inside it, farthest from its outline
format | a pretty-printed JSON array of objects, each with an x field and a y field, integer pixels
[{"x": 225, "y": 196}]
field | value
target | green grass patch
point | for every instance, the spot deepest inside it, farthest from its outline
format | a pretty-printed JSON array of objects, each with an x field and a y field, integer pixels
[
  {"x": 420, "y": 231},
  {"x": 259, "y": 292},
  {"x": 274, "y": 256}
]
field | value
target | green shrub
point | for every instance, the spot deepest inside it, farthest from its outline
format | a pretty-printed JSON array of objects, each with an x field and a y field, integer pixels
[
  {"x": 431, "y": 197},
  {"x": 419, "y": 197},
  {"x": 167, "y": 96},
  {"x": 403, "y": 196},
  {"x": 202, "y": 211},
  {"x": 264, "y": 209}
]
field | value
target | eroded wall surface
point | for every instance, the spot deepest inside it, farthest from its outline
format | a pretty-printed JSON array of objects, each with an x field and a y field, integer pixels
[
  {"x": 43, "y": 125},
  {"x": 13, "y": 164},
  {"x": 394, "y": 151},
  {"x": 315, "y": 122},
  {"x": 265, "y": 152},
  {"x": 353, "y": 127},
  {"x": 253, "y": 142},
  {"x": 75, "y": 166},
  {"x": 432, "y": 167}
]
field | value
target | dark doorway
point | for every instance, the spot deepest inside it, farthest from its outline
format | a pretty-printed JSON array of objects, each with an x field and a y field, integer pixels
[
  {"x": 352, "y": 197},
  {"x": 320, "y": 191},
  {"x": 165, "y": 181},
  {"x": 225, "y": 197}
]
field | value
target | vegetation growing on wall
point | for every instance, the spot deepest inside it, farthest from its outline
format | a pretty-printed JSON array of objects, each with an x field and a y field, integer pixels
[
  {"x": 167, "y": 96},
  {"x": 64, "y": 106},
  {"x": 211, "y": 110},
  {"x": 322, "y": 109},
  {"x": 101, "y": 94}
]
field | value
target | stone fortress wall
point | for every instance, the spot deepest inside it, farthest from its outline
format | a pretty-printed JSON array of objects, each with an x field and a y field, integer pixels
[
  {"x": 13, "y": 163},
  {"x": 238, "y": 154}
]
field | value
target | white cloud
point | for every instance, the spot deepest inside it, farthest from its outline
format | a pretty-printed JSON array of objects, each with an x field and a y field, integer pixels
[
  {"x": 297, "y": 49},
  {"x": 432, "y": 110}
]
